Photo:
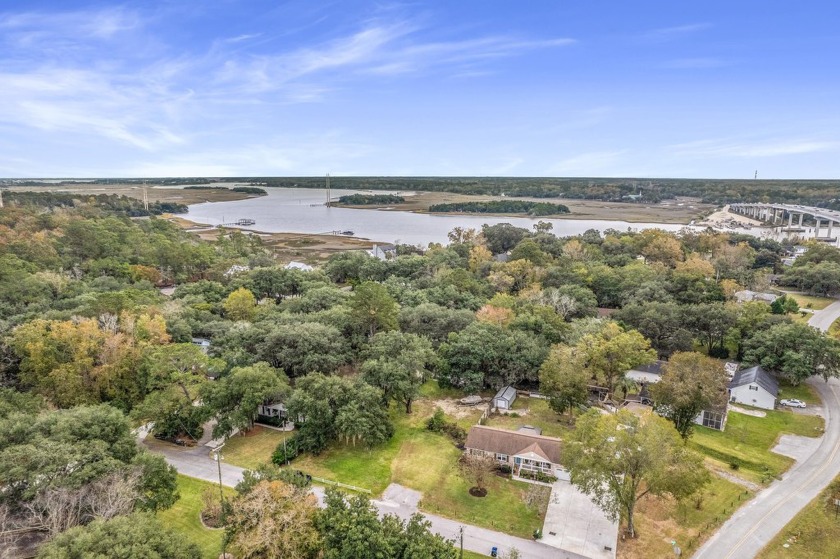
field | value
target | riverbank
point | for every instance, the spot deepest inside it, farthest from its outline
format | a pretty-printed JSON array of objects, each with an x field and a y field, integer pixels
[
  {"x": 681, "y": 211},
  {"x": 154, "y": 193},
  {"x": 301, "y": 247}
]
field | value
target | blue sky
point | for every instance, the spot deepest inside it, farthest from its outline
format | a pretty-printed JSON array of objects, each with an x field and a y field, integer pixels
[{"x": 467, "y": 87}]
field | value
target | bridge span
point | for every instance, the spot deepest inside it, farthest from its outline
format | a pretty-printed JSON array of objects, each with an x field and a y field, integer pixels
[{"x": 775, "y": 215}]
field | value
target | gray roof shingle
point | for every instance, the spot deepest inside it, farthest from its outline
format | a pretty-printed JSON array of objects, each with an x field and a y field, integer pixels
[{"x": 757, "y": 375}]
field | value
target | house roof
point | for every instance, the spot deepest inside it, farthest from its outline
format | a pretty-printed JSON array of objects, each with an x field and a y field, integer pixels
[
  {"x": 502, "y": 441},
  {"x": 654, "y": 368},
  {"x": 294, "y": 265},
  {"x": 507, "y": 392},
  {"x": 755, "y": 375}
]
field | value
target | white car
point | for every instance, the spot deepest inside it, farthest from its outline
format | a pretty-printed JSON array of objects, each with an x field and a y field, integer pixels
[{"x": 793, "y": 403}]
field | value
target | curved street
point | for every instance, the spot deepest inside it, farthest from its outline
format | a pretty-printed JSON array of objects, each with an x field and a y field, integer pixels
[{"x": 755, "y": 524}]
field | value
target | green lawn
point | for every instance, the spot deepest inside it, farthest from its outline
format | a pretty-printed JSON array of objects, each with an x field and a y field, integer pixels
[
  {"x": 747, "y": 441},
  {"x": 253, "y": 449},
  {"x": 814, "y": 532},
  {"x": 804, "y": 392},
  {"x": 184, "y": 517},
  {"x": 532, "y": 411},
  {"x": 810, "y": 301}
]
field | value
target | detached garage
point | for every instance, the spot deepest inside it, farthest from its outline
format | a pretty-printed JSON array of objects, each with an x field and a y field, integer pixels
[
  {"x": 754, "y": 387},
  {"x": 504, "y": 398}
]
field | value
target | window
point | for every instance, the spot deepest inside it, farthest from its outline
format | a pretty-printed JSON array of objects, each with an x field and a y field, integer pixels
[
  {"x": 502, "y": 457},
  {"x": 712, "y": 420},
  {"x": 535, "y": 465},
  {"x": 753, "y": 388}
]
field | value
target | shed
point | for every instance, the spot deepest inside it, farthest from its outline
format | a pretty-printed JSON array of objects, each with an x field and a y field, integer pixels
[
  {"x": 504, "y": 398},
  {"x": 652, "y": 372},
  {"x": 754, "y": 387}
]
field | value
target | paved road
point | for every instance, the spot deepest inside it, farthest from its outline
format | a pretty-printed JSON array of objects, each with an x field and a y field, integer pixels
[
  {"x": 197, "y": 462},
  {"x": 823, "y": 319},
  {"x": 756, "y": 523}
]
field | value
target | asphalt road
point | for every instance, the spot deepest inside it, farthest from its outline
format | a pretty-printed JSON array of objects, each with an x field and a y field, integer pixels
[
  {"x": 822, "y": 320},
  {"x": 197, "y": 462},
  {"x": 752, "y": 527}
]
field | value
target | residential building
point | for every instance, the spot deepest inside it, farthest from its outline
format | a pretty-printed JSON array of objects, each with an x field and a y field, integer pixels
[
  {"x": 383, "y": 252},
  {"x": 523, "y": 450},
  {"x": 746, "y": 296},
  {"x": 754, "y": 387},
  {"x": 646, "y": 373},
  {"x": 293, "y": 265}
]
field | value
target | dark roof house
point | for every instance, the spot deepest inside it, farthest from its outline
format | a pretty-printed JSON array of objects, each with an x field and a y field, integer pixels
[{"x": 758, "y": 376}]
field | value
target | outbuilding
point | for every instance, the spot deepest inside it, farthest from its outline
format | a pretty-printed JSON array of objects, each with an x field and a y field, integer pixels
[
  {"x": 754, "y": 387},
  {"x": 504, "y": 398}
]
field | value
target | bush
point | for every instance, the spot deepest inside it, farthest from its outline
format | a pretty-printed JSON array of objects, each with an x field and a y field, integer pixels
[
  {"x": 538, "y": 534},
  {"x": 437, "y": 422},
  {"x": 538, "y": 476},
  {"x": 286, "y": 451},
  {"x": 505, "y": 468}
]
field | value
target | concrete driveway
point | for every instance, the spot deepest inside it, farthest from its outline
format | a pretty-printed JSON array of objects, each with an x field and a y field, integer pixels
[{"x": 574, "y": 523}]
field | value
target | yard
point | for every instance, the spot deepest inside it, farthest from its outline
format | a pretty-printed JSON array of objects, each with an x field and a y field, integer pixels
[
  {"x": 660, "y": 521},
  {"x": 254, "y": 448},
  {"x": 814, "y": 532},
  {"x": 532, "y": 411},
  {"x": 184, "y": 517},
  {"x": 747, "y": 440},
  {"x": 802, "y": 391},
  {"x": 810, "y": 301}
]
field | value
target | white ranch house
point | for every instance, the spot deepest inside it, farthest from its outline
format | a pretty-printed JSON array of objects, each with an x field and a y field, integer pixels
[{"x": 754, "y": 387}]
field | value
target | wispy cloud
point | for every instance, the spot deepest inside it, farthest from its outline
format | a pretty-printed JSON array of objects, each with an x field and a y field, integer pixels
[
  {"x": 592, "y": 164},
  {"x": 665, "y": 34},
  {"x": 697, "y": 63},
  {"x": 759, "y": 148}
]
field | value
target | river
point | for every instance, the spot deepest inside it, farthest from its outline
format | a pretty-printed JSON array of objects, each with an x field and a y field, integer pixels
[{"x": 302, "y": 210}]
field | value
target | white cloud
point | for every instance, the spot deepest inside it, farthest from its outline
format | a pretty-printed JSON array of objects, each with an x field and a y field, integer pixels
[
  {"x": 760, "y": 148},
  {"x": 665, "y": 34}
]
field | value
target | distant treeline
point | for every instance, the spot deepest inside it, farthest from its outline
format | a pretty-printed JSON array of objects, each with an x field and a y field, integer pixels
[
  {"x": 502, "y": 207},
  {"x": 370, "y": 199},
  {"x": 822, "y": 193},
  {"x": 242, "y": 189},
  {"x": 111, "y": 203}
]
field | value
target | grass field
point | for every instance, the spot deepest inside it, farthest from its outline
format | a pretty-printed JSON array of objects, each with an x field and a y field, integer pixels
[
  {"x": 184, "y": 517},
  {"x": 804, "y": 392},
  {"x": 253, "y": 449},
  {"x": 811, "y": 301},
  {"x": 532, "y": 411},
  {"x": 747, "y": 441},
  {"x": 660, "y": 521},
  {"x": 814, "y": 532}
]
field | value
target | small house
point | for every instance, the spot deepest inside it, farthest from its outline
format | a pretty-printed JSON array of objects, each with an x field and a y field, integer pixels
[
  {"x": 383, "y": 252},
  {"x": 747, "y": 296},
  {"x": 504, "y": 398},
  {"x": 523, "y": 451},
  {"x": 294, "y": 265},
  {"x": 651, "y": 372},
  {"x": 714, "y": 417},
  {"x": 754, "y": 387},
  {"x": 202, "y": 343},
  {"x": 272, "y": 414}
]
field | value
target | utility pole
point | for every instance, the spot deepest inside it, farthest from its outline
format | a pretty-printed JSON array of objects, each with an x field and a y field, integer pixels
[
  {"x": 218, "y": 451},
  {"x": 461, "y": 529},
  {"x": 1, "y": 198},
  {"x": 329, "y": 196}
]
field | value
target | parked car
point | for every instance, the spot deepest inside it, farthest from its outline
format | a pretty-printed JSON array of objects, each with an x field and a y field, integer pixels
[
  {"x": 494, "y": 552},
  {"x": 793, "y": 403}
]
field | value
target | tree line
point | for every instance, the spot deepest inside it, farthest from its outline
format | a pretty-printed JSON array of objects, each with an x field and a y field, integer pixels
[
  {"x": 370, "y": 199},
  {"x": 502, "y": 207}
]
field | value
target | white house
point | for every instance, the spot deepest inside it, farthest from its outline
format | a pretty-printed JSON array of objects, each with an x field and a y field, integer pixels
[
  {"x": 746, "y": 296},
  {"x": 293, "y": 265},
  {"x": 713, "y": 418},
  {"x": 383, "y": 252},
  {"x": 754, "y": 387},
  {"x": 646, "y": 373}
]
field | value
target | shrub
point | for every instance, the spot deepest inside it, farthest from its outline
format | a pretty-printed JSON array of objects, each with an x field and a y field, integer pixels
[
  {"x": 437, "y": 422},
  {"x": 734, "y": 465},
  {"x": 538, "y": 476},
  {"x": 538, "y": 534},
  {"x": 286, "y": 451},
  {"x": 505, "y": 468}
]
